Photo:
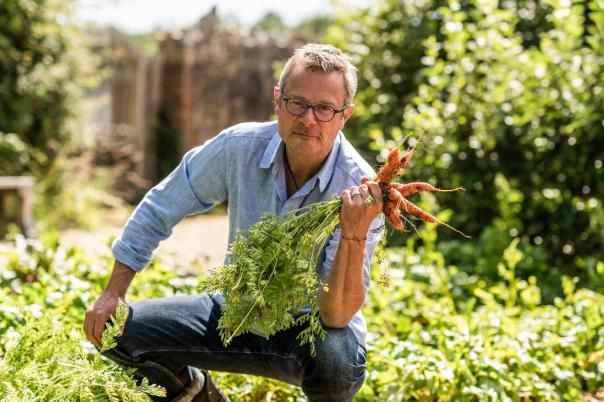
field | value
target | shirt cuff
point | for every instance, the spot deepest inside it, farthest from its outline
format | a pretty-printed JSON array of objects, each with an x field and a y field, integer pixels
[{"x": 128, "y": 255}]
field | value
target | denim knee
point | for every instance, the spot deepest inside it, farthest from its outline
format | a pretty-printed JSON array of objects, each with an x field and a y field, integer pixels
[
  {"x": 338, "y": 370},
  {"x": 127, "y": 353}
]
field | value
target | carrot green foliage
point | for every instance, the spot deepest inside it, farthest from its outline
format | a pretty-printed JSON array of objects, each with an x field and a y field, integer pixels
[
  {"x": 43, "y": 360},
  {"x": 271, "y": 274}
]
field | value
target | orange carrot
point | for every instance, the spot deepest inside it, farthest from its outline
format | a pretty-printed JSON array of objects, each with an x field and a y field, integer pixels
[
  {"x": 395, "y": 164},
  {"x": 391, "y": 168},
  {"x": 392, "y": 204},
  {"x": 387, "y": 208},
  {"x": 406, "y": 158},
  {"x": 395, "y": 205},
  {"x": 395, "y": 196},
  {"x": 393, "y": 215},
  {"x": 416, "y": 187},
  {"x": 395, "y": 219},
  {"x": 414, "y": 210}
]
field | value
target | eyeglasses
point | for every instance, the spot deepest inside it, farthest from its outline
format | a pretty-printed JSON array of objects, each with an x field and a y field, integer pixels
[{"x": 322, "y": 112}]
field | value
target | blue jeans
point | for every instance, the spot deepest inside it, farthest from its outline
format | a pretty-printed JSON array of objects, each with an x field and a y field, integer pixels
[{"x": 164, "y": 337}]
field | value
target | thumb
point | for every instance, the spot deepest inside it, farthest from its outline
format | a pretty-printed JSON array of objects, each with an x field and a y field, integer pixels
[{"x": 364, "y": 180}]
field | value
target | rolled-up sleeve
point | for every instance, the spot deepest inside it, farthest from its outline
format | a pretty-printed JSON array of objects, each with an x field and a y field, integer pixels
[{"x": 196, "y": 185}]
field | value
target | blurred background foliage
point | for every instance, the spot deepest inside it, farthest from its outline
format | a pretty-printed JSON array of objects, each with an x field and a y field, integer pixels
[
  {"x": 41, "y": 76},
  {"x": 45, "y": 67},
  {"x": 509, "y": 97}
]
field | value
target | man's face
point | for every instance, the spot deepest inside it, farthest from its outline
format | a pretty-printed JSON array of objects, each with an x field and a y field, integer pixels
[{"x": 305, "y": 133}]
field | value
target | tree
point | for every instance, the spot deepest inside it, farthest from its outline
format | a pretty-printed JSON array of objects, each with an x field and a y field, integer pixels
[{"x": 272, "y": 22}]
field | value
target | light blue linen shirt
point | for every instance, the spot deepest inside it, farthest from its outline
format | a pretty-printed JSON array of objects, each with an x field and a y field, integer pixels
[{"x": 244, "y": 166}]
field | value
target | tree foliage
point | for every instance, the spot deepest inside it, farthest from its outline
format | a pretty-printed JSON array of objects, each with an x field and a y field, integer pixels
[
  {"x": 39, "y": 75},
  {"x": 14, "y": 155},
  {"x": 511, "y": 97}
]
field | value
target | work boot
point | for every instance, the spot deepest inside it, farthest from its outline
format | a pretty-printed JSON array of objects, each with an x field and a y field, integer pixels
[{"x": 209, "y": 391}]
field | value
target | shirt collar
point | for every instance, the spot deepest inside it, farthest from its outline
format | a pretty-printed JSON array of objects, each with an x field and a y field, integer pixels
[{"x": 274, "y": 149}]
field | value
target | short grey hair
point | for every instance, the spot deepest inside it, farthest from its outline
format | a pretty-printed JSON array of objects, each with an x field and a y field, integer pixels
[{"x": 327, "y": 58}]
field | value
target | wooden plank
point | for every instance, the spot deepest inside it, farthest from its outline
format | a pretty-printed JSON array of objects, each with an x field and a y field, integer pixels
[{"x": 16, "y": 182}]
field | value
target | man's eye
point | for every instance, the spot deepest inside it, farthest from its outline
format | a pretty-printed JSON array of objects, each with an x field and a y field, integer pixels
[
  {"x": 298, "y": 103},
  {"x": 324, "y": 108}
]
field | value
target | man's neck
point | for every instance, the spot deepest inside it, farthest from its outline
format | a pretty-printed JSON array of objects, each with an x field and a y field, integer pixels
[{"x": 302, "y": 167}]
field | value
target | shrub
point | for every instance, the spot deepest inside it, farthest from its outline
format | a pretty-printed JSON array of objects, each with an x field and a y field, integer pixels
[{"x": 507, "y": 92}]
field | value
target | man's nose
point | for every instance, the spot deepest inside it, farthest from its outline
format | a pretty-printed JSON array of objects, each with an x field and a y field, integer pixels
[{"x": 308, "y": 118}]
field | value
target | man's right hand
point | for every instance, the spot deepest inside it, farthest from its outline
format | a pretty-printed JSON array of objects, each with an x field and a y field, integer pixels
[
  {"x": 104, "y": 308},
  {"x": 98, "y": 315}
]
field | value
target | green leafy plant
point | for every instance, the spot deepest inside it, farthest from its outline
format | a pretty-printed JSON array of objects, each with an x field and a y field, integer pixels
[
  {"x": 113, "y": 329},
  {"x": 277, "y": 253},
  {"x": 43, "y": 358},
  {"x": 438, "y": 333}
]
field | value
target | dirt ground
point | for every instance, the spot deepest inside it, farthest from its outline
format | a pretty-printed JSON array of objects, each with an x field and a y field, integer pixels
[{"x": 197, "y": 243}]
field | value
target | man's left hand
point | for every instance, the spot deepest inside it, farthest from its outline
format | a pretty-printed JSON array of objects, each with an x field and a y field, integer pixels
[{"x": 361, "y": 205}]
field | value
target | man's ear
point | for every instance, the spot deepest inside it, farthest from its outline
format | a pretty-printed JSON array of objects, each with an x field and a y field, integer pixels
[
  {"x": 347, "y": 113},
  {"x": 276, "y": 94}
]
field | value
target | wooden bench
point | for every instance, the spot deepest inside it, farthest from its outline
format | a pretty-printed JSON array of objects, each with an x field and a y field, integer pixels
[{"x": 23, "y": 186}]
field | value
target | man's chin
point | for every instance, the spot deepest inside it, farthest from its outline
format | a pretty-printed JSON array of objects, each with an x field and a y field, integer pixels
[{"x": 306, "y": 144}]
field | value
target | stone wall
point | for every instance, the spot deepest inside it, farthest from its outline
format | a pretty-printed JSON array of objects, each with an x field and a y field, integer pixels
[
  {"x": 134, "y": 99},
  {"x": 212, "y": 77},
  {"x": 203, "y": 79}
]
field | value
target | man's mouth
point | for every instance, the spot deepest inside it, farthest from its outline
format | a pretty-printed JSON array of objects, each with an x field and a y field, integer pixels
[{"x": 304, "y": 133}]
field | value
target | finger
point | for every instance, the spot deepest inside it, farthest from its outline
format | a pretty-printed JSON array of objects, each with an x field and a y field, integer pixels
[
  {"x": 371, "y": 195},
  {"x": 89, "y": 327},
  {"x": 357, "y": 195},
  {"x": 99, "y": 327},
  {"x": 375, "y": 190},
  {"x": 346, "y": 198},
  {"x": 364, "y": 179},
  {"x": 364, "y": 190}
]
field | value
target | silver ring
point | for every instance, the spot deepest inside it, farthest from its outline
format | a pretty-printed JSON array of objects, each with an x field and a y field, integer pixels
[{"x": 356, "y": 193}]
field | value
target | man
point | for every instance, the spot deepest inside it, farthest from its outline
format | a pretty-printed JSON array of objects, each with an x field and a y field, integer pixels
[{"x": 258, "y": 167}]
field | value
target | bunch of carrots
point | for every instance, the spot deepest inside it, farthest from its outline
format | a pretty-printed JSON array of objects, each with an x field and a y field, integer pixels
[
  {"x": 282, "y": 252},
  {"x": 396, "y": 205}
]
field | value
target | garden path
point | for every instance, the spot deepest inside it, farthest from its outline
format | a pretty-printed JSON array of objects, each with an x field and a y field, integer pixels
[{"x": 197, "y": 243}]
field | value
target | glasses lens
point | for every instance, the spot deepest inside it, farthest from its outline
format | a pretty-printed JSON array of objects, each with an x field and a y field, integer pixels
[
  {"x": 324, "y": 112},
  {"x": 296, "y": 107}
]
